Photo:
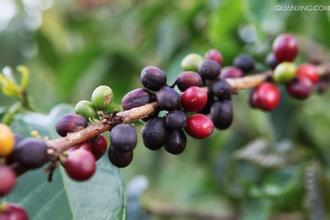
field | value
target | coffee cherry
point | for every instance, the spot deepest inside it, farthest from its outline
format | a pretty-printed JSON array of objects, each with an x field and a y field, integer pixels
[
  {"x": 215, "y": 55},
  {"x": 154, "y": 133},
  {"x": 176, "y": 119},
  {"x": 153, "y": 78},
  {"x": 194, "y": 99},
  {"x": 136, "y": 98},
  {"x": 85, "y": 108},
  {"x": 11, "y": 157},
  {"x": 300, "y": 88},
  {"x": 284, "y": 72},
  {"x": 8, "y": 180},
  {"x": 192, "y": 62},
  {"x": 176, "y": 142},
  {"x": 70, "y": 123},
  {"x": 285, "y": 48},
  {"x": 207, "y": 108},
  {"x": 99, "y": 146},
  {"x": 80, "y": 164},
  {"x": 120, "y": 159},
  {"x": 266, "y": 96},
  {"x": 102, "y": 97},
  {"x": 11, "y": 211},
  {"x": 210, "y": 69},
  {"x": 199, "y": 126},
  {"x": 84, "y": 145},
  {"x": 222, "y": 114},
  {"x": 245, "y": 63},
  {"x": 31, "y": 153},
  {"x": 231, "y": 72},
  {"x": 222, "y": 89},
  {"x": 188, "y": 79},
  {"x": 7, "y": 140},
  {"x": 271, "y": 61},
  {"x": 309, "y": 71},
  {"x": 168, "y": 99},
  {"x": 123, "y": 137}
]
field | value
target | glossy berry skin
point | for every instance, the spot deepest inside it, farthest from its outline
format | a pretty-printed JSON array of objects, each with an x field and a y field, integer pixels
[
  {"x": 102, "y": 97},
  {"x": 284, "y": 72},
  {"x": 222, "y": 89},
  {"x": 86, "y": 109},
  {"x": 11, "y": 211},
  {"x": 194, "y": 99},
  {"x": 300, "y": 88},
  {"x": 176, "y": 142},
  {"x": 309, "y": 71},
  {"x": 123, "y": 137},
  {"x": 153, "y": 78},
  {"x": 70, "y": 123},
  {"x": 80, "y": 164},
  {"x": 199, "y": 126},
  {"x": 231, "y": 72},
  {"x": 188, "y": 79},
  {"x": 154, "y": 133},
  {"x": 7, "y": 140},
  {"x": 266, "y": 97},
  {"x": 31, "y": 153},
  {"x": 120, "y": 159},
  {"x": 210, "y": 69},
  {"x": 285, "y": 48},
  {"x": 8, "y": 180},
  {"x": 192, "y": 62},
  {"x": 215, "y": 55},
  {"x": 176, "y": 119},
  {"x": 11, "y": 157},
  {"x": 245, "y": 63},
  {"x": 99, "y": 146},
  {"x": 168, "y": 99},
  {"x": 271, "y": 61},
  {"x": 222, "y": 114},
  {"x": 136, "y": 98}
]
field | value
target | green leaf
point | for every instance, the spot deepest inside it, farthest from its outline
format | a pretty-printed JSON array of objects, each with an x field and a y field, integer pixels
[{"x": 99, "y": 198}]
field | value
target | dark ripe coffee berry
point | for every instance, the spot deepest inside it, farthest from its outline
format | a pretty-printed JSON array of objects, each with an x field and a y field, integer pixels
[
  {"x": 99, "y": 146},
  {"x": 123, "y": 137},
  {"x": 120, "y": 159},
  {"x": 31, "y": 153},
  {"x": 80, "y": 164},
  {"x": 153, "y": 78},
  {"x": 231, "y": 72},
  {"x": 11, "y": 158},
  {"x": 168, "y": 99},
  {"x": 309, "y": 71},
  {"x": 244, "y": 62},
  {"x": 215, "y": 55},
  {"x": 222, "y": 114},
  {"x": 210, "y": 69},
  {"x": 70, "y": 123},
  {"x": 266, "y": 97},
  {"x": 154, "y": 133},
  {"x": 222, "y": 89},
  {"x": 194, "y": 99},
  {"x": 188, "y": 79},
  {"x": 11, "y": 211},
  {"x": 176, "y": 119},
  {"x": 285, "y": 48},
  {"x": 199, "y": 126},
  {"x": 176, "y": 142},
  {"x": 207, "y": 108},
  {"x": 300, "y": 88},
  {"x": 8, "y": 180},
  {"x": 271, "y": 61},
  {"x": 136, "y": 98}
]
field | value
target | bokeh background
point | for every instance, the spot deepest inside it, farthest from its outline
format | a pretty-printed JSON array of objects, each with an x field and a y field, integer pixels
[{"x": 73, "y": 46}]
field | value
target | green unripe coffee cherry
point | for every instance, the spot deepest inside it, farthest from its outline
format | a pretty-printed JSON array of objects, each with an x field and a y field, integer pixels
[
  {"x": 192, "y": 62},
  {"x": 85, "y": 108},
  {"x": 102, "y": 97},
  {"x": 284, "y": 72}
]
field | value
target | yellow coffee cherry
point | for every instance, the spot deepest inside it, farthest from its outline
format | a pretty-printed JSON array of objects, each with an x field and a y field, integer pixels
[{"x": 7, "y": 140}]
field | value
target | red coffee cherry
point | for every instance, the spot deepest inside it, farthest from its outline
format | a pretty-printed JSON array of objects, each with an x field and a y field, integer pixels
[
  {"x": 309, "y": 71},
  {"x": 84, "y": 145},
  {"x": 285, "y": 48},
  {"x": 231, "y": 72},
  {"x": 199, "y": 126},
  {"x": 11, "y": 211},
  {"x": 188, "y": 79},
  {"x": 80, "y": 164},
  {"x": 194, "y": 99},
  {"x": 300, "y": 88},
  {"x": 266, "y": 97},
  {"x": 215, "y": 55},
  {"x": 99, "y": 146},
  {"x": 8, "y": 180}
]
